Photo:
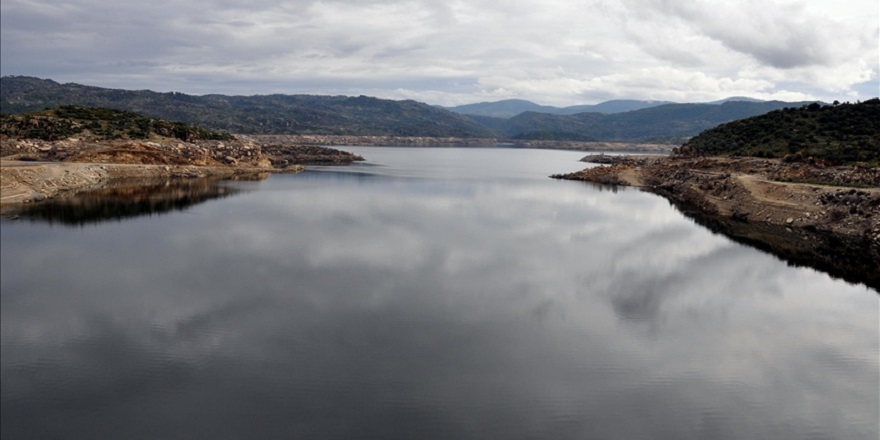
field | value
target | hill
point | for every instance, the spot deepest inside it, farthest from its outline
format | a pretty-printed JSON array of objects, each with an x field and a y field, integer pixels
[
  {"x": 735, "y": 98},
  {"x": 101, "y": 123},
  {"x": 271, "y": 114},
  {"x": 511, "y": 107},
  {"x": 839, "y": 134},
  {"x": 502, "y": 109},
  {"x": 366, "y": 116},
  {"x": 99, "y": 135},
  {"x": 613, "y": 106},
  {"x": 665, "y": 123}
]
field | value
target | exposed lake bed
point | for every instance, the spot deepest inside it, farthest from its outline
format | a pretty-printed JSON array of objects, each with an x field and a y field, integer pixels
[{"x": 821, "y": 216}]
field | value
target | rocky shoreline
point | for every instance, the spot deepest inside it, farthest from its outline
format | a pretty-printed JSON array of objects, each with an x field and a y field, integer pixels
[
  {"x": 27, "y": 182},
  {"x": 32, "y": 170},
  {"x": 822, "y": 216}
]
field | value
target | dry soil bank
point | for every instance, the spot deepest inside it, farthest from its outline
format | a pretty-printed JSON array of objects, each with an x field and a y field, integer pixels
[{"x": 824, "y": 217}]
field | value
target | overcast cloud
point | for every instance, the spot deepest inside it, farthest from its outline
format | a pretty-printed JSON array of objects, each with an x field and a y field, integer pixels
[{"x": 555, "y": 52}]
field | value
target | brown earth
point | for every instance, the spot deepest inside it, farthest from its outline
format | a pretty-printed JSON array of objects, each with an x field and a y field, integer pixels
[
  {"x": 32, "y": 170},
  {"x": 843, "y": 200},
  {"x": 25, "y": 182},
  {"x": 821, "y": 216}
]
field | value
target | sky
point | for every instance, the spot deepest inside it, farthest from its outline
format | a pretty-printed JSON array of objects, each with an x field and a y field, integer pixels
[{"x": 552, "y": 52}]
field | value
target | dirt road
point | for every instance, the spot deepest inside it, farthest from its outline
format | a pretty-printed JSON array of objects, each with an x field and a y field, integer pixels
[{"x": 756, "y": 190}]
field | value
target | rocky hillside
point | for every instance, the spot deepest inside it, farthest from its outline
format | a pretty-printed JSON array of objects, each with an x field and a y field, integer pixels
[
  {"x": 833, "y": 134},
  {"x": 98, "y": 135},
  {"x": 98, "y": 123}
]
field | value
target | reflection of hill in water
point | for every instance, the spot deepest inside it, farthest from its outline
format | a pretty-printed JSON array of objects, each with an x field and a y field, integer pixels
[
  {"x": 853, "y": 260},
  {"x": 127, "y": 200}
]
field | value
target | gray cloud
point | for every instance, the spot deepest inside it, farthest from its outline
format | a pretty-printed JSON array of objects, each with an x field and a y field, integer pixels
[
  {"x": 553, "y": 52},
  {"x": 779, "y": 35}
]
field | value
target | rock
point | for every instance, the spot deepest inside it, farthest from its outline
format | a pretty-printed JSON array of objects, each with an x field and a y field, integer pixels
[{"x": 603, "y": 159}]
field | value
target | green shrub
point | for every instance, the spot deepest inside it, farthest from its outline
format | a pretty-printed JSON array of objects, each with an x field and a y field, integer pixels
[
  {"x": 843, "y": 133},
  {"x": 66, "y": 121}
]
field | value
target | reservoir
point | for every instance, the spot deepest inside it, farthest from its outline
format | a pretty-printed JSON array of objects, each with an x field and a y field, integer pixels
[{"x": 434, "y": 293}]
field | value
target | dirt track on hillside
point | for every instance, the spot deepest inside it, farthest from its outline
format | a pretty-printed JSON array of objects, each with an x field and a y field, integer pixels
[
  {"x": 749, "y": 189},
  {"x": 834, "y": 228}
]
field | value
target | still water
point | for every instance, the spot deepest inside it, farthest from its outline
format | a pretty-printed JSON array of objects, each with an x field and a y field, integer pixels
[{"x": 426, "y": 293}]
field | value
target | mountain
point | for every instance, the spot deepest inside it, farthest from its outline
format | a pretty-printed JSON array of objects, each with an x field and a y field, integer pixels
[
  {"x": 502, "y": 109},
  {"x": 613, "y": 106},
  {"x": 664, "y": 123},
  {"x": 841, "y": 133},
  {"x": 512, "y": 107},
  {"x": 271, "y": 114},
  {"x": 735, "y": 98},
  {"x": 362, "y": 115}
]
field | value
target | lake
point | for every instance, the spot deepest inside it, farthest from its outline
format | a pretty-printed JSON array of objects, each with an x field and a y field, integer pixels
[{"x": 432, "y": 293}]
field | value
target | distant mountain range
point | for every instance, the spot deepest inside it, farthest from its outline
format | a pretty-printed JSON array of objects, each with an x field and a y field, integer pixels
[
  {"x": 619, "y": 120},
  {"x": 664, "y": 123},
  {"x": 511, "y": 107},
  {"x": 267, "y": 114}
]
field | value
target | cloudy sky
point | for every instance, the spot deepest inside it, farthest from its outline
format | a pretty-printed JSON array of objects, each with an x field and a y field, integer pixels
[{"x": 554, "y": 52}]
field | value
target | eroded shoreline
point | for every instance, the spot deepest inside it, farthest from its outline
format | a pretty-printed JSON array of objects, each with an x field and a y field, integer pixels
[
  {"x": 33, "y": 170},
  {"x": 823, "y": 217},
  {"x": 26, "y": 182}
]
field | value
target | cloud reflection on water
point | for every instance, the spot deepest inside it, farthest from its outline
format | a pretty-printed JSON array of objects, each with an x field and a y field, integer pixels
[{"x": 380, "y": 306}]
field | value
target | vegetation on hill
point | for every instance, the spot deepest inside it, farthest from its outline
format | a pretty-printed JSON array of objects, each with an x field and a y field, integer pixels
[
  {"x": 543, "y": 126},
  {"x": 365, "y": 116},
  {"x": 509, "y": 108},
  {"x": 665, "y": 123},
  {"x": 270, "y": 114},
  {"x": 502, "y": 109},
  {"x": 837, "y": 134},
  {"x": 102, "y": 123}
]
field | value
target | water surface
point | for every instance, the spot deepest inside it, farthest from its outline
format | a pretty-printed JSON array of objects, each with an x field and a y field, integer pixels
[{"x": 427, "y": 293}]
